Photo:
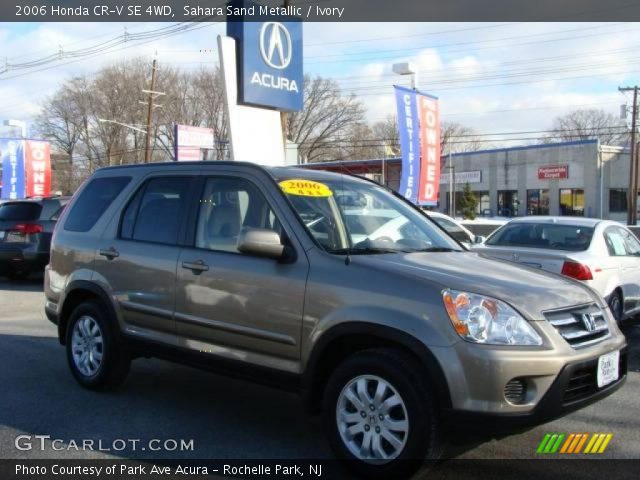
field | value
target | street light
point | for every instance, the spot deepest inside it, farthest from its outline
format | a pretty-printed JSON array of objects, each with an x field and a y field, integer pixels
[
  {"x": 406, "y": 68},
  {"x": 132, "y": 127}
]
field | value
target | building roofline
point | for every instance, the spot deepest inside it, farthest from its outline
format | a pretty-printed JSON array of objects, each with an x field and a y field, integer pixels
[{"x": 459, "y": 154}]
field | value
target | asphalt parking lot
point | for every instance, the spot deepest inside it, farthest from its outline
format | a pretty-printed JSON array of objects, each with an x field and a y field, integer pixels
[{"x": 225, "y": 418}]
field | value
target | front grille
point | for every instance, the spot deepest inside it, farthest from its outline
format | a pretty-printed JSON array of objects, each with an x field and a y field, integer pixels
[
  {"x": 580, "y": 327},
  {"x": 583, "y": 382}
]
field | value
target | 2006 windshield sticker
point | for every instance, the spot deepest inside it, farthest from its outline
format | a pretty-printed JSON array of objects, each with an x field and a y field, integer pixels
[{"x": 305, "y": 188}]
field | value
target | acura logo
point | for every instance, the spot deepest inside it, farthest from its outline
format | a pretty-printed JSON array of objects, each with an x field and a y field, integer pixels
[
  {"x": 275, "y": 45},
  {"x": 589, "y": 322}
]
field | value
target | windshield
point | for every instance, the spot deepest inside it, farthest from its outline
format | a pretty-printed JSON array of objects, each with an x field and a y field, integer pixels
[
  {"x": 347, "y": 216},
  {"x": 573, "y": 238}
]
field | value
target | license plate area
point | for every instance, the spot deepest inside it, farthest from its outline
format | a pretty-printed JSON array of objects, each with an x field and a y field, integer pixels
[{"x": 608, "y": 368}]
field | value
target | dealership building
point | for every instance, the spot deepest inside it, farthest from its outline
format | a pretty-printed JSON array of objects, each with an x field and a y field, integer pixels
[{"x": 580, "y": 178}]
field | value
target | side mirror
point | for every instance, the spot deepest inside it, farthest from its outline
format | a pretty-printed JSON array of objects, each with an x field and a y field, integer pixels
[
  {"x": 261, "y": 243},
  {"x": 479, "y": 239}
]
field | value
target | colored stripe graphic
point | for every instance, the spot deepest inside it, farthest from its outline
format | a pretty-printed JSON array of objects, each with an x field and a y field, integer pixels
[
  {"x": 550, "y": 443},
  {"x": 598, "y": 443},
  {"x": 573, "y": 443}
]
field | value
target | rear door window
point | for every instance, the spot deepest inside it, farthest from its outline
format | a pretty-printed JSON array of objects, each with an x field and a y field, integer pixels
[
  {"x": 20, "y": 211},
  {"x": 155, "y": 213},
  {"x": 93, "y": 202},
  {"x": 574, "y": 238}
]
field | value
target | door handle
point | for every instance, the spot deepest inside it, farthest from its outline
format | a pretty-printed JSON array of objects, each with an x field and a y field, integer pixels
[
  {"x": 196, "y": 267},
  {"x": 110, "y": 253}
]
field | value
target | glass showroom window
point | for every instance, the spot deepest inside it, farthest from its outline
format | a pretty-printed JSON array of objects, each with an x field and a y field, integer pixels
[
  {"x": 572, "y": 202},
  {"x": 537, "y": 202},
  {"x": 618, "y": 200},
  {"x": 508, "y": 203}
]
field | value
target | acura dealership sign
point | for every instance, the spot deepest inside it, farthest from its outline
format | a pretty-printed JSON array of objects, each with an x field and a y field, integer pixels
[{"x": 269, "y": 61}]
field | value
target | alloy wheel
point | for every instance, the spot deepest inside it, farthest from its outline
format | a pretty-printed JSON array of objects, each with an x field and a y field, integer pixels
[
  {"x": 372, "y": 419},
  {"x": 87, "y": 346}
]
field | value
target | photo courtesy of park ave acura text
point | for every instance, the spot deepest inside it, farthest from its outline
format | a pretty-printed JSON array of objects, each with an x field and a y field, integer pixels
[{"x": 321, "y": 239}]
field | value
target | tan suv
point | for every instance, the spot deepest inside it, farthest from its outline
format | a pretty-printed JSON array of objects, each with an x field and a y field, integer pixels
[{"x": 330, "y": 285}]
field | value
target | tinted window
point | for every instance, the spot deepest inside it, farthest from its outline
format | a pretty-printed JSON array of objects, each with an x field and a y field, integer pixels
[
  {"x": 542, "y": 235},
  {"x": 227, "y": 206},
  {"x": 155, "y": 213},
  {"x": 93, "y": 202},
  {"x": 20, "y": 211}
]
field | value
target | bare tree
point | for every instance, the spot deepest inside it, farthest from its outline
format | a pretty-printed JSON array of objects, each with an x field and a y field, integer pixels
[
  {"x": 456, "y": 138},
  {"x": 588, "y": 124},
  {"x": 320, "y": 127}
]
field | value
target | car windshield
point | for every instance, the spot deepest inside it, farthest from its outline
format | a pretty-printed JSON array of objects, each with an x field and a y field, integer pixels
[
  {"x": 354, "y": 216},
  {"x": 573, "y": 238}
]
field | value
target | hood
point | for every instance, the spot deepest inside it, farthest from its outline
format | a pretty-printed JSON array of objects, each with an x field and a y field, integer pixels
[{"x": 530, "y": 291}]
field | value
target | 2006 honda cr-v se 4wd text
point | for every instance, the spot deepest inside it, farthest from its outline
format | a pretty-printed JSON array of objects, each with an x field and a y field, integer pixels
[{"x": 328, "y": 284}]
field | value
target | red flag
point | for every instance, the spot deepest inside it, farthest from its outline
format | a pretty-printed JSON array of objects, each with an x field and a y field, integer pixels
[
  {"x": 429, "y": 114},
  {"x": 37, "y": 159}
]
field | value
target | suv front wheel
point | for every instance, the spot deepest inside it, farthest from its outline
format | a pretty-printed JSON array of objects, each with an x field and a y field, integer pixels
[
  {"x": 93, "y": 354},
  {"x": 379, "y": 414}
]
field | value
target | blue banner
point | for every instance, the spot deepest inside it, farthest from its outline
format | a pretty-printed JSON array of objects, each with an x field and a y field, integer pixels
[
  {"x": 408, "y": 128},
  {"x": 12, "y": 155}
]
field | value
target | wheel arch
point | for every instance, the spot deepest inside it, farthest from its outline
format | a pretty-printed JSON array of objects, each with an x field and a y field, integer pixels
[
  {"x": 337, "y": 343},
  {"x": 80, "y": 291}
]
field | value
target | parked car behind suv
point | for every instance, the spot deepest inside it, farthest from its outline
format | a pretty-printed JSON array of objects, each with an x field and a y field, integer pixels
[
  {"x": 255, "y": 272},
  {"x": 25, "y": 234}
]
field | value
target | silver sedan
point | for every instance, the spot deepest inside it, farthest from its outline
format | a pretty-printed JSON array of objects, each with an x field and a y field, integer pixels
[{"x": 602, "y": 253}]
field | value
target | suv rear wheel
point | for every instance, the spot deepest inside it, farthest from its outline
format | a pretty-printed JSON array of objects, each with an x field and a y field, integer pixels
[
  {"x": 94, "y": 356},
  {"x": 380, "y": 415}
]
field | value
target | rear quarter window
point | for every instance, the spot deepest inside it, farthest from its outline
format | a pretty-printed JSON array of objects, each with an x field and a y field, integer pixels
[
  {"x": 20, "y": 211},
  {"x": 93, "y": 202}
]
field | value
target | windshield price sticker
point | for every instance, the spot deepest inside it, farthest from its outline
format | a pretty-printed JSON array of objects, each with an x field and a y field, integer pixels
[{"x": 305, "y": 188}]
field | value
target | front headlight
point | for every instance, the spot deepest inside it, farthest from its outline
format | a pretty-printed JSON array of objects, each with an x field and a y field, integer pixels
[{"x": 486, "y": 320}]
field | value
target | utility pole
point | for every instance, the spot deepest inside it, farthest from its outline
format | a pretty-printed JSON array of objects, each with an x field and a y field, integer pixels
[
  {"x": 151, "y": 93},
  {"x": 633, "y": 160}
]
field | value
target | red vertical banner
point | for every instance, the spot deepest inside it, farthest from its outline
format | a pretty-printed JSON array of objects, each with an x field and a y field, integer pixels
[
  {"x": 429, "y": 185},
  {"x": 37, "y": 163}
]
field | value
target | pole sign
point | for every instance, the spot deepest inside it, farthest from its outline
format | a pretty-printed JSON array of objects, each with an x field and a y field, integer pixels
[
  {"x": 12, "y": 152},
  {"x": 37, "y": 168},
  {"x": 26, "y": 168},
  {"x": 269, "y": 51},
  {"x": 409, "y": 142},
  {"x": 419, "y": 129},
  {"x": 191, "y": 141}
]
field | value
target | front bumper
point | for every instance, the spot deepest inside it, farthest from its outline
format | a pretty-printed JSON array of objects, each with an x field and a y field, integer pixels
[{"x": 574, "y": 388}]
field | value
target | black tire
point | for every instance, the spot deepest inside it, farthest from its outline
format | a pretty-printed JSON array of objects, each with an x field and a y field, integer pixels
[
  {"x": 615, "y": 305},
  {"x": 115, "y": 362},
  {"x": 405, "y": 375}
]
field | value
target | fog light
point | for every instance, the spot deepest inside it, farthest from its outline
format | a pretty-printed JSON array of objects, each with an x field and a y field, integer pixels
[{"x": 515, "y": 391}]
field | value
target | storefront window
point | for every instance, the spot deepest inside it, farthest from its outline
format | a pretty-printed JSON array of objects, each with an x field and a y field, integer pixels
[
  {"x": 618, "y": 200},
  {"x": 508, "y": 203},
  {"x": 572, "y": 202},
  {"x": 537, "y": 202}
]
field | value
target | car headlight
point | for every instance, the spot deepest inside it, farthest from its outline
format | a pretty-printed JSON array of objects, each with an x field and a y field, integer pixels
[{"x": 486, "y": 320}]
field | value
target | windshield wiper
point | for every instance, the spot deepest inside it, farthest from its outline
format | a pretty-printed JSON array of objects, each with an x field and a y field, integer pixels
[{"x": 437, "y": 249}]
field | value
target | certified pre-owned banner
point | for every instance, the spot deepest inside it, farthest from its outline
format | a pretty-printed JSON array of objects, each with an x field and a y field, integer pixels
[
  {"x": 409, "y": 142},
  {"x": 419, "y": 129}
]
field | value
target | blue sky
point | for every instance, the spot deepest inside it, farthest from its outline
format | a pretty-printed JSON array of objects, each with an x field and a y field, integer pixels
[{"x": 494, "y": 77}]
